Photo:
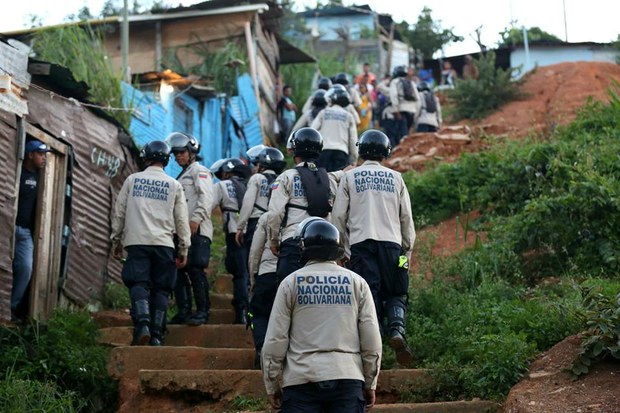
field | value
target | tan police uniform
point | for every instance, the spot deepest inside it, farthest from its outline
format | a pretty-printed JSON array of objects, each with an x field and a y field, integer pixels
[
  {"x": 262, "y": 260},
  {"x": 398, "y": 100},
  {"x": 224, "y": 196},
  {"x": 322, "y": 327},
  {"x": 373, "y": 202},
  {"x": 197, "y": 184},
  {"x": 339, "y": 131},
  {"x": 150, "y": 208},
  {"x": 256, "y": 198}
]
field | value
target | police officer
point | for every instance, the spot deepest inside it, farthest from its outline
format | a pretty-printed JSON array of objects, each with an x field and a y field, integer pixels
[
  {"x": 323, "y": 335},
  {"x": 198, "y": 187},
  {"x": 323, "y": 84},
  {"x": 270, "y": 163},
  {"x": 295, "y": 197},
  {"x": 150, "y": 208},
  {"x": 262, "y": 266},
  {"x": 350, "y": 108},
  {"x": 318, "y": 102},
  {"x": 339, "y": 132},
  {"x": 405, "y": 101},
  {"x": 374, "y": 209},
  {"x": 228, "y": 195},
  {"x": 343, "y": 79}
]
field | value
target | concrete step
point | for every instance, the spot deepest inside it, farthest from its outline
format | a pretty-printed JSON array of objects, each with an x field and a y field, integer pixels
[
  {"x": 209, "y": 335},
  {"x": 123, "y": 319},
  {"x": 221, "y": 301},
  {"x": 225, "y": 384},
  {"x": 474, "y": 406},
  {"x": 124, "y": 362},
  {"x": 223, "y": 284}
]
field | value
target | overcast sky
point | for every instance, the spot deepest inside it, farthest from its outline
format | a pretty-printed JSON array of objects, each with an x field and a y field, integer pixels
[{"x": 592, "y": 20}]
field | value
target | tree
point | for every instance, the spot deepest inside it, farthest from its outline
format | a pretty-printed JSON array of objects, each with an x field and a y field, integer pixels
[
  {"x": 427, "y": 35},
  {"x": 514, "y": 36}
]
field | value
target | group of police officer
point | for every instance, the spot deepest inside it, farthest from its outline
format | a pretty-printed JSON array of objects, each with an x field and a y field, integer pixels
[{"x": 317, "y": 323}]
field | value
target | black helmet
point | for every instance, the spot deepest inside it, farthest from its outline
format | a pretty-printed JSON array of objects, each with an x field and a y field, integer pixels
[
  {"x": 341, "y": 78},
  {"x": 399, "y": 71},
  {"x": 324, "y": 83},
  {"x": 374, "y": 144},
  {"x": 216, "y": 168},
  {"x": 422, "y": 86},
  {"x": 320, "y": 240},
  {"x": 253, "y": 153},
  {"x": 318, "y": 99},
  {"x": 307, "y": 142},
  {"x": 271, "y": 158},
  {"x": 155, "y": 151},
  {"x": 237, "y": 167},
  {"x": 179, "y": 142},
  {"x": 341, "y": 97}
]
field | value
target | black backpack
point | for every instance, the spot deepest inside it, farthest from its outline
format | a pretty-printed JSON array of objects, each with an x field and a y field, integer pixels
[
  {"x": 241, "y": 186},
  {"x": 270, "y": 178},
  {"x": 430, "y": 104},
  {"x": 408, "y": 93},
  {"x": 316, "y": 184}
]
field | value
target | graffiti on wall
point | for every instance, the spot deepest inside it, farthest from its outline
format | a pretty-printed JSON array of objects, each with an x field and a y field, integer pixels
[{"x": 104, "y": 160}]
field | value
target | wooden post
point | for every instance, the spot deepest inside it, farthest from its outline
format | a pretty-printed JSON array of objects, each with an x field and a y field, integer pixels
[
  {"x": 388, "y": 65},
  {"x": 252, "y": 57}
]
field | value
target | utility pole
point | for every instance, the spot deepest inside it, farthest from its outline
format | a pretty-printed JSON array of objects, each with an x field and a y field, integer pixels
[
  {"x": 565, "y": 25},
  {"x": 125, "y": 43}
]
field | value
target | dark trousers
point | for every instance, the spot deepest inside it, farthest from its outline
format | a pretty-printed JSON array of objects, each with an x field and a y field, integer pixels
[
  {"x": 409, "y": 118},
  {"x": 150, "y": 274},
  {"x": 249, "y": 235},
  {"x": 333, "y": 396},
  {"x": 377, "y": 263},
  {"x": 289, "y": 259},
  {"x": 333, "y": 160},
  {"x": 422, "y": 127},
  {"x": 237, "y": 264},
  {"x": 400, "y": 126},
  {"x": 261, "y": 303},
  {"x": 193, "y": 275},
  {"x": 391, "y": 129}
]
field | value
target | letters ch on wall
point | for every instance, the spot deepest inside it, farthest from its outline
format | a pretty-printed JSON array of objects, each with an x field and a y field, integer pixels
[{"x": 105, "y": 160}]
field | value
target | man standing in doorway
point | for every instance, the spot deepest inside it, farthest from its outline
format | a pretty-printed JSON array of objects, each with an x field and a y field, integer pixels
[{"x": 34, "y": 161}]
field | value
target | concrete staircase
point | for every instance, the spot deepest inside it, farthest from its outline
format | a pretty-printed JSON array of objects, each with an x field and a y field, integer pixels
[{"x": 206, "y": 368}]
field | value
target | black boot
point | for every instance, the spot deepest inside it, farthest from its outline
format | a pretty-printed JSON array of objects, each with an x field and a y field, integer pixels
[
  {"x": 201, "y": 316},
  {"x": 395, "y": 309},
  {"x": 141, "y": 331},
  {"x": 183, "y": 297},
  {"x": 240, "y": 316},
  {"x": 158, "y": 328}
]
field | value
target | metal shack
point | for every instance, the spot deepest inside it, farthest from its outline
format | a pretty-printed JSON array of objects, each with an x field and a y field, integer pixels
[{"x": 91, "y": 157}]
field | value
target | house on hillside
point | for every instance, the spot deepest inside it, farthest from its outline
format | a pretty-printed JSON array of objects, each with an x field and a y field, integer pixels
[
  {"x": 91, "y": 157},
  {"x": 357, "y": 30},
  {"x": 537, "y": 54},
  {"x": 190, "y": 105}
]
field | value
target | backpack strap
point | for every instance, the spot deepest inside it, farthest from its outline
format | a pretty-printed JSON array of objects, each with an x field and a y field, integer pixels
[{"x": 316, "y": 184}]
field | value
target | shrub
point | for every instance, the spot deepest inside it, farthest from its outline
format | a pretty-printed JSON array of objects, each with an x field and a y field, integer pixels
[
  {"x": 476, "y": 98},
  {"x": 65, "y": 352},
  {"x": 602, "y": 338},
  {"x": 18, "y": 396}
]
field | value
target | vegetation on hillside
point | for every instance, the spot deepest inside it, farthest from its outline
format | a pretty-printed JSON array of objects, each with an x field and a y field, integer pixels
[
  {"x": 81, "y": 50},
  {"x": 55, "y": 367},
  {"x": 476, "y": 98},
  {"x": 547, "y": 269}
]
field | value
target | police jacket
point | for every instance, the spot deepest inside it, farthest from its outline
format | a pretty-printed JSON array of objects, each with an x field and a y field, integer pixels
[
  {"x": 323, "y": 326},
  {"x": 338, "y": 129},
  {"x": 425, "y": 118},
  {"x": 372, "y": 202},
  {"x": 198, "y": 187},
  {"x": 225, "y": 197},
  {"x": 149, "y": 209},
  {"x": 397, "y": 96},
  {"x": 256, "y": 198},
  {"x": 261, "y": 260},
  {"x": 288, "y": 190}
]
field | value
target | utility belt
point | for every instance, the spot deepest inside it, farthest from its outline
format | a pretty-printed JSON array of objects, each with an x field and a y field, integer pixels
[
  {"x": 236, "y": 211},
  {"x": 286, "y": 208}
]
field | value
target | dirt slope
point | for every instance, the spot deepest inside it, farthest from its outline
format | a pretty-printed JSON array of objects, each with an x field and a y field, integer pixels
[{"x": 552, "y": 96}]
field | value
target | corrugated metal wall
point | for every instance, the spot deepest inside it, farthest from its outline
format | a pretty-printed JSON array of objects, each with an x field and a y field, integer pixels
[
  {"x": 101, "y": 165},
  {"x": 8, "y": 167},
  {"x": 155, "y": 119}
]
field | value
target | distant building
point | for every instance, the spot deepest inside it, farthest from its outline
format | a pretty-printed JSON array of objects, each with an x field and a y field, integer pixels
[{"x": 358, "y": 30}]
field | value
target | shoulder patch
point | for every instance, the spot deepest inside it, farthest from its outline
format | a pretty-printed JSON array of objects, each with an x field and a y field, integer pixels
[
  {"x": 275, "y": 185},
  {"x": 203, "y": 175}
]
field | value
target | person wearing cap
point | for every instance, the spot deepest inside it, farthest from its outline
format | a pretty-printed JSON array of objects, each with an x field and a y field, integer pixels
[{"x": 23, "y": 257}]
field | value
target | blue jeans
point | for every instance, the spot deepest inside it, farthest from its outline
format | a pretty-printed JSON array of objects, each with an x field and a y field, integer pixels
[{"x": 22, "y": 265}]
